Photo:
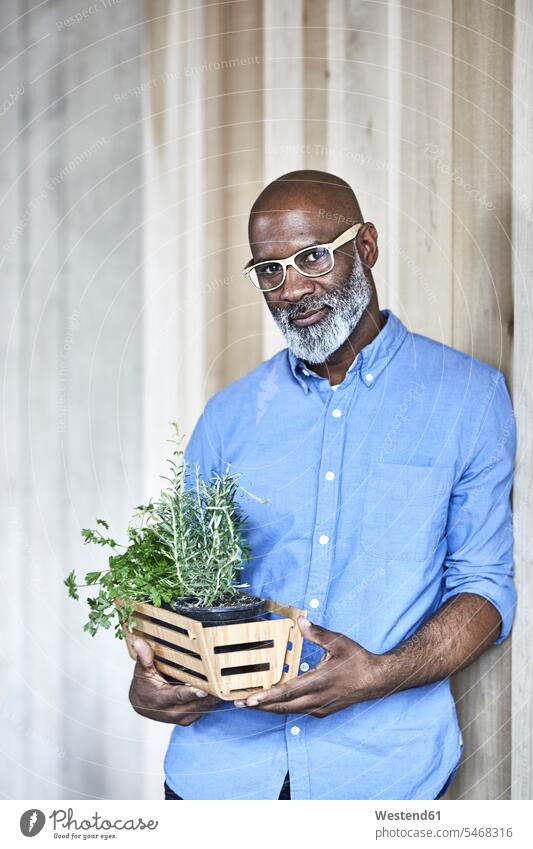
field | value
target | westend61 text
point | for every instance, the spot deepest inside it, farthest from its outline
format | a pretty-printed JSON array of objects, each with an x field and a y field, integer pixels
[{"x": 407, "y": 815}]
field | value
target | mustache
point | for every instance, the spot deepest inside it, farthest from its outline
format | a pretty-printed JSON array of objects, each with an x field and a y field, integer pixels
[{"x": 303, "y": 307}]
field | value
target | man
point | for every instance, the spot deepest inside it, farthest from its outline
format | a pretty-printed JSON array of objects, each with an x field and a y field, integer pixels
[{"x": 387, "y": 458}]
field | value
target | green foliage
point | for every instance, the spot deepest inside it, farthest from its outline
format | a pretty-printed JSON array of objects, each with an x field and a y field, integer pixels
[{"x": 190, "y": 542}]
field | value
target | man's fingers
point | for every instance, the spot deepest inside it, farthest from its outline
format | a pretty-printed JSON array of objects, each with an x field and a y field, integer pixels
[
  {"x": 304, "y": 704},
  {"x": 307, "y": 683},
  {"x": 330, "y": 640},
  {"x": 145, "y": 653},
  {"x": 149, "y": 690}
]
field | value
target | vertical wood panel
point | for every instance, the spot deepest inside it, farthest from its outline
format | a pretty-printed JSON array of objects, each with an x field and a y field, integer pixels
[
  {"x": 174, "y": 210},
  {"x": 482, "y": 325},
  {"x": 421, "y": 253},
  {"x": 283, "y": 83},
  {"x": 73, "y": 294},
  {"x": 15, "y": 706},
  {"x": 316, "y": 73},
  {"x": 99, "y": 254},
  {"x": 240, "y": 181},
  {"x": 522, "y": 682},
  {"x": 43, "y": 317},
  {"x": 358, "y": 133},
  {"x": 174, "y": 306}
]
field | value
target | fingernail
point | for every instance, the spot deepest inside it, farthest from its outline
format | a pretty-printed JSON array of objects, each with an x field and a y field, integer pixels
[
  {"x": 200, "y": 693},
  {"x": 239, "y": 704},
  {"x": 252, "y": 702}
]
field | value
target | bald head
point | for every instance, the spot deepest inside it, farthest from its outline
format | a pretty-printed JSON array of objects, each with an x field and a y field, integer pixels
[{"x": 323, "y": 203}]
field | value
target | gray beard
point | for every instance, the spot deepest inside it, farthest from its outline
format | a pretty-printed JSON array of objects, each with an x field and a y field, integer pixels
[{"x": 319, "y": 341}]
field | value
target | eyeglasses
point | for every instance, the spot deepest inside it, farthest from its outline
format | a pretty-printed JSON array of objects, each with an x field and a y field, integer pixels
[{"x": 311, "y": 262}]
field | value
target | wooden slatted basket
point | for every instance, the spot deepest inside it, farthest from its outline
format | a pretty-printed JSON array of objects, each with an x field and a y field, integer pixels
[{"x": 228, "y": 661}]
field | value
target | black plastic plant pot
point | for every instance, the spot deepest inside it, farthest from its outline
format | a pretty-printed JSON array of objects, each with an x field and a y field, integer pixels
[{"x": 244, "y": 609}]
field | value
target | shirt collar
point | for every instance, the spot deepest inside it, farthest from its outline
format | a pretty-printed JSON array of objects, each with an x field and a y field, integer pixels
[{"x": 371, "y": 360}]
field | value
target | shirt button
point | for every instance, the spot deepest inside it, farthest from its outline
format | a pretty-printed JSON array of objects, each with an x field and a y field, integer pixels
[
  {"x": 304, "y": 666},
  {"x": 323, "y": 539},
  {"x": 314, "y": 602},
  {"x": 295, "y": 730},
  {"x": 369, "y": 377},
  {"x": 329, "y": 476},
  {"x": 336, "y": 413}
]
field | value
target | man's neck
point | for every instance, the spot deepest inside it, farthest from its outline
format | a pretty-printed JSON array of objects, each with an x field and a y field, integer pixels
[{"x": 371, "y": 323}]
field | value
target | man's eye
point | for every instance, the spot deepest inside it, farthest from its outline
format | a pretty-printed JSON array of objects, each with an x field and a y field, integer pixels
[
  {"x": 316, "y": 255},
  {"x": 270, "y": 269}
]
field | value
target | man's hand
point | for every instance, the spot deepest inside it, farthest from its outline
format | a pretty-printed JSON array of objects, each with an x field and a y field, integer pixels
[
  {"x": 458, "y": 633},
  {"x": 151, "y": 696},
  {"x": 346, "y": 674}
]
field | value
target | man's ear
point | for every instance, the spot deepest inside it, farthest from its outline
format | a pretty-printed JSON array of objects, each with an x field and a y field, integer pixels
[{"x": 367, "y": 244}]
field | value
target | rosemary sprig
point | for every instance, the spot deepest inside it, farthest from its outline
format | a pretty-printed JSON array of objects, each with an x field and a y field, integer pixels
[{"x": 189, "y": 542}]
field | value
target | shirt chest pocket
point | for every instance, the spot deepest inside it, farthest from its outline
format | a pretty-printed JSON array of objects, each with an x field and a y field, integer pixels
[{"x": 405, "y": 510}]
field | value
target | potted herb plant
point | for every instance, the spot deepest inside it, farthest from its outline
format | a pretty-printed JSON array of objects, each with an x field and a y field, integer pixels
[
  {"x": 184, "y": 553},
  {"x": 177, "y": 584}
]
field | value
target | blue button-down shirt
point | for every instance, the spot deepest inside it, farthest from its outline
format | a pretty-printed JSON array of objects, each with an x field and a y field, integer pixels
[{"x": 388, "y": 495}]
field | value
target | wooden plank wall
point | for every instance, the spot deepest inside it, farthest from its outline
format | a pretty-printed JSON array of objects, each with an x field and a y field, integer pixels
[
  {"x": 412, "y": 106},
  {"x": 522, "y": 244},
  {"x": 71, "y": 365},
  {"x": 124, "y": 308},
  {"x": 483, "y": 325}
]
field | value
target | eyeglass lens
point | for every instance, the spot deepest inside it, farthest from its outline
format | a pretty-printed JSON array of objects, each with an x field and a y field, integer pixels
[{"x": 312, "y": 261}]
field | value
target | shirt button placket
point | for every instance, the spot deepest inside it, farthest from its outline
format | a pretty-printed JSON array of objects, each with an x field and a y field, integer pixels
[
  {"x": 326, "y": 514},
  {"x": 297, "y": 757}
]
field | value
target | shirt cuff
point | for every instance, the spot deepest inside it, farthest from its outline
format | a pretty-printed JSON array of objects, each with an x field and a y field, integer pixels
[{"x": 503, "y": 600}]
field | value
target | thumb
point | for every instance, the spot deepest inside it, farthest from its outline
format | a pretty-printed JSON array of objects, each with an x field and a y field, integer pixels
[
  {"x": 329, "y": 640},
  {"x": 145, "y": 653}
]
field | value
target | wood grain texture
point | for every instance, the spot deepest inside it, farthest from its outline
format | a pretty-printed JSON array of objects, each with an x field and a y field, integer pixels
[
  {"x": 482, "y": 326},
  {"x": 71, "y": 219},
  {"x": 522, "y": 383},
  {"x": 123, "y": 305},
  {"x": 212, "y": 663},
  {"x": 421, "y": 243},
  {"x": 283, "y": 113}
]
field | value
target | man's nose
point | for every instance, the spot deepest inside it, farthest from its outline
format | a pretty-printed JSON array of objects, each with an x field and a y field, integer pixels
[{"x": 296, "y": 286}]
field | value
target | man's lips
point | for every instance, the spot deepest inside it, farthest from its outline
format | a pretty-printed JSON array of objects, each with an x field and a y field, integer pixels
[{"x": 309, "y": 317}]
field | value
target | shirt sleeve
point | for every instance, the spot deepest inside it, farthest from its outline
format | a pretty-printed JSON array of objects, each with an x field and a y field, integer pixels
[{"x": 479, "y": 529}]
